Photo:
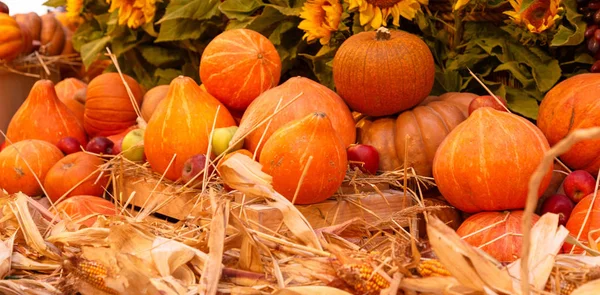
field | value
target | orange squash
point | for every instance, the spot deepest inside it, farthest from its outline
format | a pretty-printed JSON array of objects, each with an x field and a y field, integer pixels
[
  {"x": 43, "y": 116},
  {"x": 573, "y": 104},
  {"x": 78, "y": 171},
  {"x": 11, "y": 38},
  {"x": 108, "y": 109},
  {"x": 415, "y": 133},
  {"x": 314, "y": 98},
  {"x": 181, "y": 125},
  {"x": 79, "y": 208},
  {"x": 288, "y": 150},
  {"x": 485, "y": 163},
  {"x": 578, "y": 216},
  {"x": 16, "y": 176},
  {"x": 65, "y": 90},
  {"x": 52, "y": 36},
  {"x": 238, "y": 65},
  {"x": 474, "y": 230},
  {"x": 384, "y": 72},
  {"x": 151, "y": 99},
  {"x": 32, "y": 21}
]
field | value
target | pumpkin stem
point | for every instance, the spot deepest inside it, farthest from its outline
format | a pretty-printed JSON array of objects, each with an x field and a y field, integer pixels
[
  {"x": 383, "y": 34},
  {"x": 320, "y": 114}
]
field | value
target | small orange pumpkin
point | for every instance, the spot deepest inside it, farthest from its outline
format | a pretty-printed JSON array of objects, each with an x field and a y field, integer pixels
[
  {"x": 65, "y": 90},
  {"x": 11, "y": 38},
  {"x": 578, "y": 216},
  {"x": 151, "y": 99},
  {"x": 43, "y": 116},
  {"x": 80, "y": 207},
  {"x": 288, "y": 150},
  {"x": 32, "y": 21},
  {"x": 52, "y": 35},
  {"x": 15, "y": 175}
]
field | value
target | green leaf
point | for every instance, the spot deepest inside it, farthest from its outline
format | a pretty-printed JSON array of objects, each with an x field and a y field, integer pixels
[
  {"x": 149, "y": 29},
  {"x": 89, "y": 51},
  {"x": 239, "y": 9},
  {"x": 520, "y": 102},
  {"x": 125, "y": 43},
  {"x": 159, "y": 56},
  {"x": 518, "y": 72},
  {"x": 180, "y": 29},
  {"x": 321, "y": 65},
  {"x": 194, "y": 9},
  {"x": 165, "y": 76},
  {"x": 571, "y": 33},
  {"x": 86, "y": 32},
  {"x": 55, "y": 3},
  {"x": 287, "y": 11},
  {"x": 266, "y": 21}
]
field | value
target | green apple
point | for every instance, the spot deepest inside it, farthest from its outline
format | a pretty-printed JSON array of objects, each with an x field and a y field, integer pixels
[
  {"x": 133, "y": 145},
  {"x": 222, "y": 137}
]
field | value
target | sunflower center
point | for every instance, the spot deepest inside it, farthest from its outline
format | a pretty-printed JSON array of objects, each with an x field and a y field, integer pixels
[
  {"x": 383, "y": 3},
  {"x": 537, "y": 12}
]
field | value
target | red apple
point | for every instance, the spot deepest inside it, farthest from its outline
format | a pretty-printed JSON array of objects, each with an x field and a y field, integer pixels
[
  {"x": 487, "y": 101},
  {"x": 363, "y": 157},
  {"x": 194, "y": 166},
  {"x": 558, "y": 204},
  {"x": 69, "y": 145},
  {"x": 4, "y": 8},
  {"x": 579, "y": 184},
  {"x": 100, "y": 145}
]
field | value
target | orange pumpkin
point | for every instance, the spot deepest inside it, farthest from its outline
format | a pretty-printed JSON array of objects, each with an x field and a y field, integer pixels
[
  {"x": 27, "y": 39},
  {"x": 108, "y": 109},
  {"x": 314, "y": 98},
  {"x": 181, "y": 125},
  {"x": 32, "y": 21},
  {"x": 474, "y": 230},
  {"x": 16, "y": 176},
  {"x": 65, "y": 90},
  {"x": 575, "y": 222},
  {"x": 485, "y": 163},
  {"x": 238, "y": 65},
  {"x": 151, "y": 100},
  {"x": 43, "y": 116},
  {"x": 79, "y": 208},
  {"x": 288, "y": 150},
  {"x": 11, "y": 39},
  {"x": 384, "y": 72},
  {"x": 573, "y": 104},
  {"x": 78, "y": 173},
  {"x": 52, "y": 35},
  {"x": 416, "y": 133}
]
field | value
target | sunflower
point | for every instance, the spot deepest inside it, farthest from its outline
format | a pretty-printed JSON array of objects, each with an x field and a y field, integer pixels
[
  {"x": 375, "y": 13},
  {"x": 134, "y": 13},
  {"x": 74, "y": 9},
  {"x": 320, "y": 18},
  {"x": 538, "y": 17}
]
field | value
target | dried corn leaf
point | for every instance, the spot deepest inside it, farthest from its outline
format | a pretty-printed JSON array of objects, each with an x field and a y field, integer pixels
[
  {"x": 244, "y": 291},
  {"x": 169, "y": 255},
  {"x": 590, "y": 288},
  {"x": 27, "y": 287},
  {"x": 32, "y": 235},
  {"x": 244, "y": 278},
  {"x": 168, "y": 286},
  {"x": 313, "y": 290},
  {"x": 549, "y": 238},
  {"x": 134, "y": 276},
  {"x": 436, "y": 285},
  {"x": 92, "y": 236},
  {"x": 6, "y": 251},
  {"x": 464, "y": 262},
  {"x": 20, "y": 261},
  {"x": 211, "y": 273},
  {"x": 242, "y": 173},
  {"x": 249, "y": 254},
  {"x": 128, "y": 238}
]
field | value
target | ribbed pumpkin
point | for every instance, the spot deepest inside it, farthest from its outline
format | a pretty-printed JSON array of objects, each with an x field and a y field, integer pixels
[
  {"x": 43, "y": 116},
  {"x": 15, "y": 176},
  {"x": 70, "y": 172},
  {"x": 575, "y": 222},
  {"x": 573, "y": 104},
  {"x": 33, "y": 23},
  {"x": 315, "y": 98},
  {"x": 181, "y": 125},
  {"x": 11, "y": 39},
  {"x": 238, "y": 65},
  {"x": 288, "y": 150},
  {"x": 384, "y": 72},
  {"x": 416, "y": 133},
  {"x": 485, "y": 163},
  {"x": 78, "y": 208},
  {"x": 151, "y": 99},
  {"x": 506, "y": 249},
  {"x": 52, "y": 35},
  {"x": 65, "y": 90},
  {"x": 108, "y": 109}
]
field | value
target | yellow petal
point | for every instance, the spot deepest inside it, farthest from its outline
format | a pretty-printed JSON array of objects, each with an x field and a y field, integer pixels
[
  {"x": 377, "y": 20},
  {"x": 460, "y": 4},
  {"x": 367, "y": 15}
]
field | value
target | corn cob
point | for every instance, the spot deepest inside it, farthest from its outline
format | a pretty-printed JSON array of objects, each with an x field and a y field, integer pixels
[
  {"x": 432, "y": 268},
  {"x": 565, "y": 288},
  {"x": 363, "y": 278},
  {"x": 92, "y": 273}
]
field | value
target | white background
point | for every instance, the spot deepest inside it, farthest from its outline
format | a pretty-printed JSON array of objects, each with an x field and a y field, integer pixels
[{"x": 25, "y": 6}]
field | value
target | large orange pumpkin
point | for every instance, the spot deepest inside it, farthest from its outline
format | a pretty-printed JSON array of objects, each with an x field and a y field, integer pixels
[
  {"x": 238, "y": 65},
  {"x": 65, "y": 90},
  {"x": 485, "y": 163},
  {"x": 151, "y": 99},
  {"x": 575, "y": 222},
  {"x": 78, "y": 171},
  {"x": 52, "y": 35},
  {"x": 43, "y": 116},
  {"x": 573, "y": 104},
  {"x": 11, "y": 38},
  {"x": 32, "y": 21},
  {"x": 181, "y": 125},
  {"x": 384, "y": 72},
  {"x": 80, "y": 207},
  {"x": 314, "y": 98},
  {"x": 16, "y": 176},
  {"x": 108, "y": 109},
  {"x": 288, "y": 150},
  {"x": 416, "y": 133},
  {"x": 474, "y": 230}
]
